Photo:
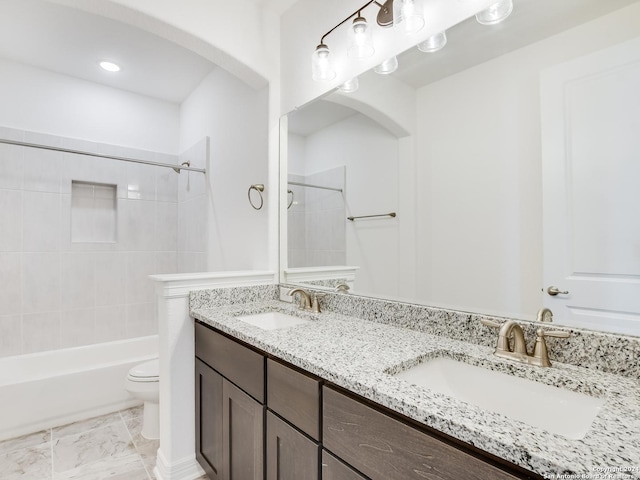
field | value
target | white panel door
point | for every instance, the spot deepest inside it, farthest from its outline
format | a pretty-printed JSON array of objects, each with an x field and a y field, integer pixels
[{"x": 591, "y": 189}]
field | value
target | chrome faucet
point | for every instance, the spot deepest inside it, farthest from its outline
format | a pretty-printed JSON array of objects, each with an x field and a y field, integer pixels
[
  {"x": 518, "y": 350},
  {"x": 308, "y": 301},
  {"x": 544, "y": 315}
]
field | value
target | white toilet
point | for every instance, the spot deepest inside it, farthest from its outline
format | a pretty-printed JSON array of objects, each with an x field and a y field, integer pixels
[{"x": 143, "y": 382}]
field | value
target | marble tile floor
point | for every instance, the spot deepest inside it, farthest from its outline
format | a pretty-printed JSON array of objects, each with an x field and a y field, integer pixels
[{"x": 109, "y": 446}]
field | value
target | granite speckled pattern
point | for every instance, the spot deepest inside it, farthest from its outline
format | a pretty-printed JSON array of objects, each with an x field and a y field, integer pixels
[{"x": 358, "y": 354}]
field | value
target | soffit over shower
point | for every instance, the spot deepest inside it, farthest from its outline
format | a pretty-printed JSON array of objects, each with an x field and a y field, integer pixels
[{"x": 72, "y": 42}]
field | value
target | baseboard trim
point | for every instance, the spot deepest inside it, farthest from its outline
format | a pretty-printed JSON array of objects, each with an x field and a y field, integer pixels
[{"x": 186, "y": 469}]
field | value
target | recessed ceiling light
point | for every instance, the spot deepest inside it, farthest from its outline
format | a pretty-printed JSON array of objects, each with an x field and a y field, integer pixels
[{"x": 110, "y": 66}]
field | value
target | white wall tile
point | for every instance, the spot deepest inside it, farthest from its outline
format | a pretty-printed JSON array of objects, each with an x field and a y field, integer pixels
[
  {"x": 10, "y": 335},
  {"x": 40, "y": 222},
  {"x": 167, "y": 185},
  {"x": 140, "y": 288},
  {"x": 141, "y": 320},
  {"x": 40, "y": 282},
  {"x": 166, "y": 226},
  {"x": 40, "y": 332},
  {"x": 10, "y": 284},
  {"x": 42, "y": 170},
  {"x": 136, "y": 225},
  {"x": 166, "y": 262},
  {"x": 11, "y": 167},
  {"x": 141, "y": 181},
  {"x": 10, "y": 221},
  {"x": 78, "y": 280},
  {"x": 110, "y": 278},
  {"x": 77, "y": 327},
  {"x": 111, "y": 323}
]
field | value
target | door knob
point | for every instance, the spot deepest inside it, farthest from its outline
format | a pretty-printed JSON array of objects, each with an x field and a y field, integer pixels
[{"x": 553, "y": 291}]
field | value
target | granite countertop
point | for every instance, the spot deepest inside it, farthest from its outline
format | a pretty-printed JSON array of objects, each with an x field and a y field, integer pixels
[{"x": 361, "y": 355}]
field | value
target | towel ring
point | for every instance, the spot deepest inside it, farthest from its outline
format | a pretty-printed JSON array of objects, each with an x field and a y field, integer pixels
[
  {"x": 291, "y": 201},
  {"x": 258, "y": 187}
]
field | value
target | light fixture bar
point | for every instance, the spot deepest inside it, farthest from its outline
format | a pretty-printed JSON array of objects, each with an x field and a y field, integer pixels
[{"x": 357, "y": 12}]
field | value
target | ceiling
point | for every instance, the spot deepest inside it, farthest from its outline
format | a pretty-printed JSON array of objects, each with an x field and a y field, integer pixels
[{"x": 73, "y": 42}]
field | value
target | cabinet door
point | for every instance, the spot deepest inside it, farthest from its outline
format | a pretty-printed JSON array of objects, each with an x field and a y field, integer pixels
[
  {"x": 334, "y": 469},
  {"x": 290, "y": 455},
  {"x": 243, "y": 427},
  {"x": 209, "y": 420}
]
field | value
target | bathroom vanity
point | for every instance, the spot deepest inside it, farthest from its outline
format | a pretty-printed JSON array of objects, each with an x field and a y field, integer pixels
[{"x": 324, "y": 399}]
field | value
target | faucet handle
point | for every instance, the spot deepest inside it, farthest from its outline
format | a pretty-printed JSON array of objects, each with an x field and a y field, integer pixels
[
  {"x": 552, "y": 333},
  {"x": 315, "y": 301},
  {"x": 490, "y": 323}
]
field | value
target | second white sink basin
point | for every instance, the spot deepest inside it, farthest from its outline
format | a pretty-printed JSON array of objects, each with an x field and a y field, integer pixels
[
  {"x": 272, "y": 320},
  {"x": 557, "y": 410}
]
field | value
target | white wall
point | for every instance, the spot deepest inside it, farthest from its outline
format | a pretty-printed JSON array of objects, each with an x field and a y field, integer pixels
[
  {"x": 370, "y": 154},
  {"x": 479, "y": 171},
  {"x": 42, "y": 101},
  {"x": 235, "y": 118}
]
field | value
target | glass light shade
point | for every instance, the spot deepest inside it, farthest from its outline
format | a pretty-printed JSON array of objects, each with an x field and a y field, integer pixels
[
  {"x": 408, "y": 16},
  {"x": 360, "y": 39},
  {"x": 322, "y": 65},
  {"x": 495, "y": 13},
  {"x": 390, "y": 65},
  {"x": 349, "y": 86},
  {"x": 433, "y": 43}
]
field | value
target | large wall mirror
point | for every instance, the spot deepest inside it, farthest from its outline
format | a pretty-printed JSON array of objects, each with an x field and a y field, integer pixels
[{"x": 491, "y": 176}]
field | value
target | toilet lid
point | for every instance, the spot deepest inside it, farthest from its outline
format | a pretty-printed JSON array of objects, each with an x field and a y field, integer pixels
[{"x": 150, "y": 369}]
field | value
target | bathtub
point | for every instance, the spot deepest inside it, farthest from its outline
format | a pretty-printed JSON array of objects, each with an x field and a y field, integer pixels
[{"x": 44, "y": 390}]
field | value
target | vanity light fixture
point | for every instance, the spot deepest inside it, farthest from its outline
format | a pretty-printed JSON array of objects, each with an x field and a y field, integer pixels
[
  {"x": 390, "y": 65},
  {"x": 349, "y": 86},
  {"x": 495, "y": 13},
  {"x": 109, "y": 66},
  {"x": 434, "y": 43},
  {"x": 406, "y": 14},
  {"x": 360, "y": 39}
]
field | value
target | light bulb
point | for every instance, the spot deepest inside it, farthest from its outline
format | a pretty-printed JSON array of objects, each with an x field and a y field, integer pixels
[
  {"x": 495, "y": 13},
  {"x": 390, "y": 65},
  {"x": 349, "y": 86},
  {"x": 408, "y": 16},
  {"x": 322, "y": 65},
  {"x": 360, "y": 39},
  {"x": 433, "y": 43}
]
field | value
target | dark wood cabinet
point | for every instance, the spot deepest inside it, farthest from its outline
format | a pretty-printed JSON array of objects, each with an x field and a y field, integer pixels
[
  {"x": 209, "y": 420},
  {"x": 290, "y": 454},
  {"x": 294, "y": 396},
  {"x": 382, "y": 447},
  {"x": 243, "y": 434},
  {"x": 258, "y": 418},
  {"x": 334, "y": 469}
]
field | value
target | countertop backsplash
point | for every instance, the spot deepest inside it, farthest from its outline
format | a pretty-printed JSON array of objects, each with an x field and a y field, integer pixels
[{"x": 606, "y": 352}]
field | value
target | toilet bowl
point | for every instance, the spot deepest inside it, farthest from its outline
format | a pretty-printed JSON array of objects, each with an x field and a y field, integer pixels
[{"x": 143, "y": 382}]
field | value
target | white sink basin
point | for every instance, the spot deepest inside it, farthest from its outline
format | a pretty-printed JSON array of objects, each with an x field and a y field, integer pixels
[
  {"x": 272, "y": 320},
  {"x": 556, "y": 410}
]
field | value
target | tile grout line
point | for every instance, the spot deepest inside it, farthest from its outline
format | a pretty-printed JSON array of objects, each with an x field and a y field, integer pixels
[
  {"x": 51, "y": 447},
  {"x": 134, "y": 444}
]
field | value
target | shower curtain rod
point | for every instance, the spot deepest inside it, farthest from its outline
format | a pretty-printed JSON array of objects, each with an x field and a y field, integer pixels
[
  {"x": 315, "y": 186},
  {"x": 177, "y": 168}
]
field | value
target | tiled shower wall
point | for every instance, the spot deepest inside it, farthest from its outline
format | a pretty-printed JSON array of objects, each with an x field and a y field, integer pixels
[
  {"x": 57, "y": 293},
  {"x": 317, "y": 220}
]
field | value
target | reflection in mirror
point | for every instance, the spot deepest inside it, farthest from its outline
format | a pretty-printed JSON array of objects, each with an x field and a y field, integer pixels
[{"x": 462, "y": 144}]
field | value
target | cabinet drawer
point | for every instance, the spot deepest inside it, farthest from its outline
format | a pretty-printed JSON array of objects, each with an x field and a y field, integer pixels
[
  {"x": 334, "y": 469},
  {"x": 239, "y": 364},
  {"x": 294, "y": 396},
  {"x": 383, "y": 448}
]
